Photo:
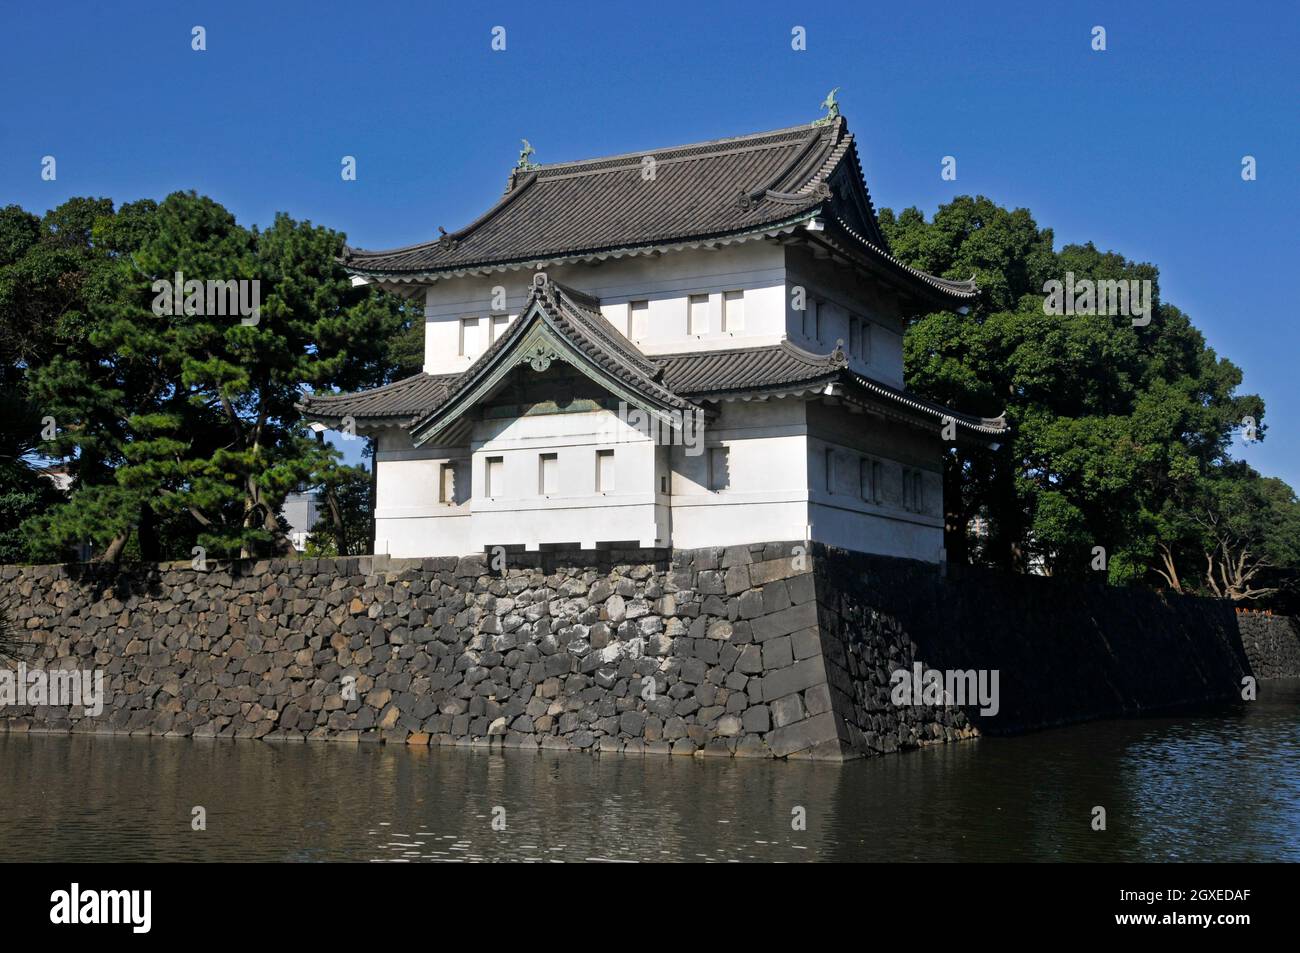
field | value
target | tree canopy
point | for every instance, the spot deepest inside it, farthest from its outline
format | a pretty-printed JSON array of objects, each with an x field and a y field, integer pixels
[
  {"x": 179, "y": 425},
  {"x": 1121, "y": 430}
]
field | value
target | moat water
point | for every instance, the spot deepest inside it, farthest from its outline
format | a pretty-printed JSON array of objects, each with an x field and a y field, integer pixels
[{"x": 1209, "y": 786}]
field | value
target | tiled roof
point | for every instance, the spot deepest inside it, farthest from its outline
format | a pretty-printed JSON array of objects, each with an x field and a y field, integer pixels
[
  {"x": 989, "y": 426},
  {"x": 701, "y": 374},
  {"x": 878, "y": 253},
  {"x": 719, "y": 374},
  {"x": 671, "y": 380},
  {"x": 718, "y": 191},
  {"x": 613, "y": 203},
  {"x": 399, "y": 403}
]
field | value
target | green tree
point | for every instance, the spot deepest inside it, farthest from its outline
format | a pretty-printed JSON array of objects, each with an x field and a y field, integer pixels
[
  {"x": 1110, "y": 420},
  {"x": 344, "y": 528},
  {"x": 51, "y": 270},
  {"x": 195, "y": 411}
]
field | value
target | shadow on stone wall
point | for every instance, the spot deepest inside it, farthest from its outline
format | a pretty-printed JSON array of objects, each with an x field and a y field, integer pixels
[
  {"x": 1063, "y": 651},
  {"x": 1272, "y": 643}
]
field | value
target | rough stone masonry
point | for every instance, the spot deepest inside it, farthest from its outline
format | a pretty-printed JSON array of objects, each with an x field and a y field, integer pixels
[{"x": 764, "y": 650}]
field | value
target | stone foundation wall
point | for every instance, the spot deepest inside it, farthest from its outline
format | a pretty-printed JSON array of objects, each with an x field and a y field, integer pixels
[
  {"x": 761, "y": 650},
  {"x": 1272, "y": 644},
  {"x": 707, "y": 651},
  {"x": 1064, "y": 651}
]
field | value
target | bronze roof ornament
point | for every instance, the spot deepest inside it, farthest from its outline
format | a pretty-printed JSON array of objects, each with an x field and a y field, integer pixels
[
  {"x": 832, "y": 109},
  {"x": 526, "y": 163}
]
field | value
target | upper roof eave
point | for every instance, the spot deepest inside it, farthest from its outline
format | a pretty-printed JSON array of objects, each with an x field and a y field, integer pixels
[{"x": 578, "y": 255}]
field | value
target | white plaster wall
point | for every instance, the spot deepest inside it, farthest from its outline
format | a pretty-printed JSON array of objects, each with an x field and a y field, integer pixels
[
  {"x": 872, "y": 533},
  {"x": 767, "y": 498},
  {"x": 519, "y": 514},
  {"x": 777, "y": 488},
  {"x": 766, "y": 273},
  {"x": 409, "y": 518},
  {"x": 838, "y": 513},
  {"x": 666, "y": 282},
  {"x": 841, "y": 293}
]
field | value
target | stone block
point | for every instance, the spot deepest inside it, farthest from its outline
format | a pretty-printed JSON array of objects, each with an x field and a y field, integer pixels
[
  {"x": 802, "y": 735},
  {"x": 794, "y": 678},
  {"x": 784, "y": 622}
]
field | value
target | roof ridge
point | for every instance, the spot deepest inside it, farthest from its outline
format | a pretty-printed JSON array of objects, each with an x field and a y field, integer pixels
[
  {"x": 587, "y": 307},
  {"x": 786, "y": 344},
  {"x": 681, "y": 147}
]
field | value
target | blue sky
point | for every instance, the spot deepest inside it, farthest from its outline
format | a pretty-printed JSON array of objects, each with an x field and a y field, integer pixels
[{"x": 1137, "y": 148}]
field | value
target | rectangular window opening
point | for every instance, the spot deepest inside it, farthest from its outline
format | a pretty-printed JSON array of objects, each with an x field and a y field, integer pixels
[
  {"x": 469, "y": 342},
  {"x": 639, "y": 319},
  {"x": 548, "y": 474},
  {"x": 494, "y": 477},
  {"x": 499, "y": 324},
  {"x": 733, "y": 311},
  {"x": 698, "y": 316},
  {"x": 447, "y": 483},
  {"x": 604, "y": 471},
  {"x": 913, "y": 491}
]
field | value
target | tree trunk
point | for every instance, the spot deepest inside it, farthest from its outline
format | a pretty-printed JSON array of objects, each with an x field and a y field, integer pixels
[
  {"x": 113, "y": 552},
  {"x": 147, "y": 534},
  {"x": 336, "y": 522}
]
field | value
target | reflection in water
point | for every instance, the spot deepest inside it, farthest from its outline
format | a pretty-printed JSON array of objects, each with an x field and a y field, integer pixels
[{"x": 1209, "y": 786}]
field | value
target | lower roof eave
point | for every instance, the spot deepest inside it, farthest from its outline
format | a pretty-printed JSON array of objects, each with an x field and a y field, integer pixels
[{"x": 932, "y": 419}]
